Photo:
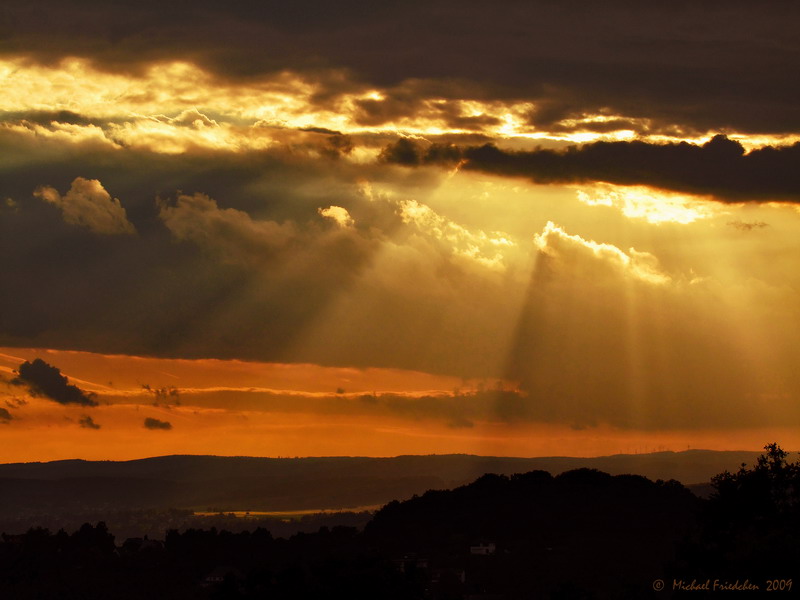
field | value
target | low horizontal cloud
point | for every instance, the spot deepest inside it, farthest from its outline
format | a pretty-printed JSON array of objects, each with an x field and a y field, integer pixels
[
  {"x": 46, "y": 381},
  {"x": 546, "y": 397},
  {"x": 748, "y": 225},
  {"x": 155, "y": 424},
  {"x": 719, "y": 168},
  {"x": 5, "y": 416},
  {"x": 88, "y": 204},
  {"x": 458, "y": 409}
]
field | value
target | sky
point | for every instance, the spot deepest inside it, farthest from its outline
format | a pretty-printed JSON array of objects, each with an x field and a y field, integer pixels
[{"x": 383, "y": 228}]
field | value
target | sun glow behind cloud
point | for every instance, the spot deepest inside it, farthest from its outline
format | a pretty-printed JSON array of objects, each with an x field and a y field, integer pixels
[
  {"x": 168, "y": 209},
  {"x": 641, "y": 265},
  {"x": 171, "y": 107},
  {"x": 655, "y": 206}
]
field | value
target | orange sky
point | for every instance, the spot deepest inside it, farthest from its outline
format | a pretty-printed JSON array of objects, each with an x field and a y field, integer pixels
[
  {"x": 613, "y": 319},
  {"x": 210, "y": 425},
  {"x": 540, "y": 236}
]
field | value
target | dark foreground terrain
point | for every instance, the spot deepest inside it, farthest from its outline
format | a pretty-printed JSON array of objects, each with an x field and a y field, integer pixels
[
  {"x": 135, "y": 497},
  {"x": 580, "y": 534}
]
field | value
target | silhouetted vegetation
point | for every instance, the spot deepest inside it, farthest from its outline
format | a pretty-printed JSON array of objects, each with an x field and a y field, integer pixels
[
  {"x": 581, "y": 534},
  {"x": 750, "y": 524}
]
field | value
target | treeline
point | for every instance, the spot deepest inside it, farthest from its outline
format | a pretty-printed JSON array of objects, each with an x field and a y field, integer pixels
[
  {"x": 154, "y": 522},
  {"x": 581, "y": 534},
  {"x": 194, "y": 564}
]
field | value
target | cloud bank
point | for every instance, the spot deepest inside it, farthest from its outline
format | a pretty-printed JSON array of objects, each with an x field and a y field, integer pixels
[
  {"x": 686, "y": 66},
  {"x": 255, "y": 181},
  {"x": 719, "y": 169}
]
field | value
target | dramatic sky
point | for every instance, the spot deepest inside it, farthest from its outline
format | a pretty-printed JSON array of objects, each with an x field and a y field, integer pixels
[{"x": 377, "y": 228}]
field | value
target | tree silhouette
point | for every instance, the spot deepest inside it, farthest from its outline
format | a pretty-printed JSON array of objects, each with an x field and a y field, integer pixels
[
  {"x": 769, "y": 490},
  {"x": 579, "y": 534},
  {"x": 751, "y": 523}
]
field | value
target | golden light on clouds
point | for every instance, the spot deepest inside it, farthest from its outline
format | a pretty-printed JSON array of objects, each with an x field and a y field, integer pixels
[
  {"x": 290, "y": 246},
  {"x": 654, "y": 206},
  {"x": 610, "y": 309},
  {"x": 172, "y": 107},
  {"x": 480, "y": 246},
  {"x": 558, "y": 244},
  {"x": 338, "y": 214},
  {"x": 88, "y": 204}
]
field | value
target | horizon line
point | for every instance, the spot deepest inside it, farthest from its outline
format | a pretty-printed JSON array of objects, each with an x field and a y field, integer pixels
[{"x": 451, "y": 454}]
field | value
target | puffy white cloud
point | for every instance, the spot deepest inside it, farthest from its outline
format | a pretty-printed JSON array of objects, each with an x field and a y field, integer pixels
[
  {"x": 89, "y": 205},
  {"x": 484, "y": 248},
  {"x": 337, "y": 214},
  {"x": 557, "y": 243}
]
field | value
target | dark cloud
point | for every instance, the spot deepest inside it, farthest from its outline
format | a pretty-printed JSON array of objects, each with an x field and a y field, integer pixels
[
  {"x": 47, "y": 381},
  {"x": 376, "y": 112},
  {"x": 5, "y": 416},
  {"x": 461, "y": 423},
  {"x": 237, "y": 260},
  {"x": 321, "y": 130},
  {"x": 704, "y": 66},
  {"x": 155, "y": 424},
  {"x": 16, "y": 402},
  {"x": 411, "y": 153},
  {"x": 719, "y": 168},
  {"x": 428, "y": 100},
  {"x": 213, "y": 254},
  {"x": 88, "y": 423},
  {"x": 748, "y": 225},
  {"x": 338, "y": 145},
  {"x": 164, "y": 395}
]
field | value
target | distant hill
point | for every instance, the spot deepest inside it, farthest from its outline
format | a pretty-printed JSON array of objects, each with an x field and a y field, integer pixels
[
  {"x": 248, "y": 483},
  {"x": 579, "y": 535}
]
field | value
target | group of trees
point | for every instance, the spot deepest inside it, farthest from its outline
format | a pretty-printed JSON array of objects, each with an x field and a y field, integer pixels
[
  {"x": 750, "y": 526},
  {"x": 581, "y": 534}
]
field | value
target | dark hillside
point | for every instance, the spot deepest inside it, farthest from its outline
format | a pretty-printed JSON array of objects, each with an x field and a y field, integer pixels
[
  {"x": 584, "y": 527},
  {"x": 248, "y": 483},
  {"x": 583, "y": 534}
]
